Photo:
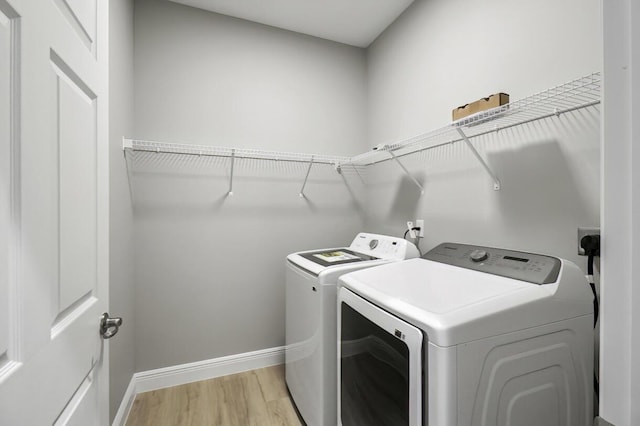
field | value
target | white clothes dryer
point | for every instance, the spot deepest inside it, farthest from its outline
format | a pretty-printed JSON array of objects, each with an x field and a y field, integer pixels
[
  {"x": 311, "y": 337},
  {"x": 466, "y": 335}
]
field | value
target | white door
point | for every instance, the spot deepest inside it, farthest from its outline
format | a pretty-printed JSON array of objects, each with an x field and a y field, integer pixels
[{"x": 53, "y": 211}]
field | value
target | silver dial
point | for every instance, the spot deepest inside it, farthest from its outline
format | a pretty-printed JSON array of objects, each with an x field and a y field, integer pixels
[
  {"x": 479, "y": 255},
  {"x": 373, "y": 244}
]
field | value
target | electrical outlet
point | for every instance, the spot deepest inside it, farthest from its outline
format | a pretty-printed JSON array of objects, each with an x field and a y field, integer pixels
[
  {"x": 420, "y": 224},
  {"x": 584, "y": 231},
  {"x": 412, "y": 233}
]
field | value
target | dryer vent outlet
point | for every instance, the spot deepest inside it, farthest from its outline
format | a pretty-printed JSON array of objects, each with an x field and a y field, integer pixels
[{"x": 583, "y": 232}]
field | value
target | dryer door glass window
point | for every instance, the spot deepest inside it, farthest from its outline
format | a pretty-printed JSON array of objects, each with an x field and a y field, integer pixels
[{"x": 374, "y": 388}]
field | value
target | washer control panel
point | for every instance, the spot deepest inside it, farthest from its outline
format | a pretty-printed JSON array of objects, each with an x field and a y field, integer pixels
[
  {"x": 383, "y": 246},
  {"x": 533, "y": 268}
]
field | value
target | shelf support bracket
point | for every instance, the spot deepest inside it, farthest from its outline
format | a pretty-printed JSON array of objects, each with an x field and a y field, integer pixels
[
  {"x": 301, "y": 194},
  {"x": 496, "y": 181},
  {"x": 127, "y": 146},
  {"x": 407, "y": 172},
  {"x": 233, "y": 160}
]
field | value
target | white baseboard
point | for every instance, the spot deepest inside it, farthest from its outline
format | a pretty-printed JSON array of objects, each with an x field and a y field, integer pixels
[
  {"x": 125, "y": 404},
  {"x": 146, "y": 381}
]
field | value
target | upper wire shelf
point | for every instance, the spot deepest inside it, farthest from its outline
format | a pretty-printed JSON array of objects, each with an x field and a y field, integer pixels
[
  {"x": 238, "y": 153},
  {"x": 232, "y": 153},
  {"x": 580, "y": 93}
]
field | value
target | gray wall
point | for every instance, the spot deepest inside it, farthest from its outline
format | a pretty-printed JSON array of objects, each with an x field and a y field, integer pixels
[
  {"x": 210, "y": 268},
  {"x": 204, "y": 78},
  {"x": 440, "y": 54},
  {"x": 121, "y": 348}
]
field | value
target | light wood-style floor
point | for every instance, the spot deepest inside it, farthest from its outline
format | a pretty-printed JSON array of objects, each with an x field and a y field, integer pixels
[{"x": 257, "y": 397}]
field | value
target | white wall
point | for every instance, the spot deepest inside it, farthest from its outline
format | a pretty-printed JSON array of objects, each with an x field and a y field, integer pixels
[
  {"x": 210, "y": 268},
  {"x": 440, "y": 54},
  {"x": 620, "y": 336},
  {"x": 121, "y": 347}
]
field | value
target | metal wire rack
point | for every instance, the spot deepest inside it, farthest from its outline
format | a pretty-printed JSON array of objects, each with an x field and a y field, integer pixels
[
  {"x": 133, "y": 145},
  {"x": 217, "y": 151},
  {"x": 580, "y": 93}
]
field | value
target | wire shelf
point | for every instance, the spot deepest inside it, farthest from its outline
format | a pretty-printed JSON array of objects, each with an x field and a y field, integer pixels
[
  {"x": 233, "y": 154},
  {"x": 580, "y": 93},
  {"x": 238, "y": 153}
]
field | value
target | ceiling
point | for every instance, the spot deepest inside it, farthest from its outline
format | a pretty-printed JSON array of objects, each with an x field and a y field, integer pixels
[{"x": 354, "y": 22}]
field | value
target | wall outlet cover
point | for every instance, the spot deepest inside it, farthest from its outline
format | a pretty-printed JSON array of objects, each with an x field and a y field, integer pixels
[{"x": 412, "y": 233}]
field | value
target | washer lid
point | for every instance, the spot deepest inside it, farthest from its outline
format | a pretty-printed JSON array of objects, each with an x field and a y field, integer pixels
[
  {"x": 334, "y": 257},
  {"x": 326, "y": 270},
  {"x": 455, "y": 305},
  {"x": 365, "y": 247}
]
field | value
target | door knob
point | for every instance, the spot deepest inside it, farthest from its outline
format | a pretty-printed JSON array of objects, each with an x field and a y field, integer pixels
[{"x": 109, "y": 326}]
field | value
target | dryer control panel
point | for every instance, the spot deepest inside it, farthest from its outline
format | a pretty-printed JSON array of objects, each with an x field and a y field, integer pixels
[{"x": 533, "y": 268}]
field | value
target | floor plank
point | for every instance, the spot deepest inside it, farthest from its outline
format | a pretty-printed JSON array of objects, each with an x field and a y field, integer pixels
[{"x": 258, "y": 397}]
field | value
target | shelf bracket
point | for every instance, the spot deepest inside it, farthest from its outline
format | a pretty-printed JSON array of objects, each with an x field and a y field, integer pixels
[
  {"x": 233, "y": 160},
  {"x": 407, "y": 172},
  {"x": 496, "y": 181},
  {"x": 301, "y": 194},
  {"x": 355, "y": 169},
  {"x": 127, "y": 146}
]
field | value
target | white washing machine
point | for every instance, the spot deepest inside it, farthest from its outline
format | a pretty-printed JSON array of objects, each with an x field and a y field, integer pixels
[
  {"x": 464, "y": 336},
  {"x": 311, "y": 338}
]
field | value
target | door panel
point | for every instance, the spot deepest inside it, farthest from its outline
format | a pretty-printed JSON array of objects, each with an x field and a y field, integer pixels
[
  {"x": 5, "y": 176},
  {"x": 85, "y": 13},
  {"x": 55, "y": 362},
  {"x": 80, "y": 411},
  {"x": 76, "y": 124},
  {"x": 38, "y": 390},
  {"x": 8, "y": 35},
  {"x": 81, "y": 16}
]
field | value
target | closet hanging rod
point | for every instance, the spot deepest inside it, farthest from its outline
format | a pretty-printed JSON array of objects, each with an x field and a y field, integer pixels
[{"x": 223, "y": 152}]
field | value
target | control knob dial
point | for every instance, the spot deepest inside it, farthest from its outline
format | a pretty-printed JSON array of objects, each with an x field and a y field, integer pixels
[{"x": 479, "y": 255}]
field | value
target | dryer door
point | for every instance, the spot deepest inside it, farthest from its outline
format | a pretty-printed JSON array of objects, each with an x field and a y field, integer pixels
[{"x": 379, "y": 366}]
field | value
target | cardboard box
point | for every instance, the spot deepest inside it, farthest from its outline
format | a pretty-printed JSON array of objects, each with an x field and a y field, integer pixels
[{"x": 483, "y": 104}]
